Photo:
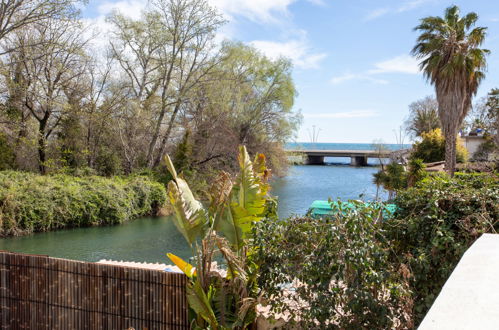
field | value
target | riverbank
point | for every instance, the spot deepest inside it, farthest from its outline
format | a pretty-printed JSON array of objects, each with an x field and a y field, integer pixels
[
  {"x": 35, "y": 203},
  {"x": 146, "y": 239}
]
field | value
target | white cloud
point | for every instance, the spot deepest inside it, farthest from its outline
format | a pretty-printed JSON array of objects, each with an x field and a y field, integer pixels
[
  {"x": 297, "y": 50},
  {"x": 399, "y": 64},
  {"x": 404, "y": 64},
  {"x": 377, "y": 13},
  {"x": 262, "y": 11},
  {"x": 347, "y": 114},
  {"x": 410, "y": 5},
  {"x": 357, "y": 76},
  {"x": 406, "y": 6},
  {"x": 256, "y": 10},
  {"x": 317, "y": 2},
  {"x": 130, "y": 8}
]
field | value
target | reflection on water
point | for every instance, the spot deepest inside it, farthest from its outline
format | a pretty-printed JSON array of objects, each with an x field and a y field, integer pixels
[
  {"x": 307, "y": 183},
  {"x": 148, "y": 239}
]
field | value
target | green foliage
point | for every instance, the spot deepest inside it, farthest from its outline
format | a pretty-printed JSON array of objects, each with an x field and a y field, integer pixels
[
  {"x": 225, "y": 302},
  {"x": 452, "y": 59},
  {"x": 435, "y": 223},
  {"x": 183, "y": 154},
  {"x": 394, "y": 177},
  {"x": 33, "y": 203},
  {"x": 423, "y": 116},
  {"x": 108, "y": 162},
  {"x": 7, "y": 156},
  {"x": 416, "y": 171},
  {"x": 432, "y": 148},
  {"x": 353, "y": 271},
  {"x": 332, "y": 273}
]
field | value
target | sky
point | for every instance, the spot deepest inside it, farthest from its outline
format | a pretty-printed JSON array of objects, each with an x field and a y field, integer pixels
[{"x": 352, "y": 66}]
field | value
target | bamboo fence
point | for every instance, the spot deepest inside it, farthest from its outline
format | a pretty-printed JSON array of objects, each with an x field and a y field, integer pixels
[{"x": 39, "y": 292}]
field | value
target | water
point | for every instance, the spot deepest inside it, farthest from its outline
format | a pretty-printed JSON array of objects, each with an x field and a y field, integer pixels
[
  {"x": 148, "y": 239},
  {"x": 306, "y": 183}
]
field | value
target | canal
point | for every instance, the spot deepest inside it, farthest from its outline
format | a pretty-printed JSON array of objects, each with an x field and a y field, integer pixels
[{"x": 149, "y": 239}]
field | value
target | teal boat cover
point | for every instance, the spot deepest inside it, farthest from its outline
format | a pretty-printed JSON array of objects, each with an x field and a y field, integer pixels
[{"x": 322, "y": 208}]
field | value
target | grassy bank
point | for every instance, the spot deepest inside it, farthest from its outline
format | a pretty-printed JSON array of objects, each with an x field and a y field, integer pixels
[{"x": 34, "y": 203}]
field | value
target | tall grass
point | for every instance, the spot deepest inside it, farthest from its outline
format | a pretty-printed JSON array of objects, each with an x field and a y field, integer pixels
[{"x": 34, "y": 203}]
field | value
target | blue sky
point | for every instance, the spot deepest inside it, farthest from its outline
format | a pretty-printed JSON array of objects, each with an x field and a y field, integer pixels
[{"x": 354, "y": 76}]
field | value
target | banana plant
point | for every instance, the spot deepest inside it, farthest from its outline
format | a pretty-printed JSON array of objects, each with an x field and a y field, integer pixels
[{"x": 225, "y": 226}]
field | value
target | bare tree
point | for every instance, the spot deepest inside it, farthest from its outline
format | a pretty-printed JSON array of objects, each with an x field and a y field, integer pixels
[
  {"x": 50, "y": 81},
  {"x": 164, "y": 55},
  {"x": 16, "y": 14}
]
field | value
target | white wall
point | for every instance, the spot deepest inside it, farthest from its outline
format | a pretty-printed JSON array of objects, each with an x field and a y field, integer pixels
[{"x": 470, "y": 297}]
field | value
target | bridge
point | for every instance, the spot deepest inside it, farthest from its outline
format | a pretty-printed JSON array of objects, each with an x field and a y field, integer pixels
[{"x": 358, "y": 157}]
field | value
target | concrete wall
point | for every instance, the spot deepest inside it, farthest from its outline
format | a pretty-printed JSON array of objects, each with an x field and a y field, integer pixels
[
  {"x": 472, "y": 143},
  {"x": 470, "y": 297}
]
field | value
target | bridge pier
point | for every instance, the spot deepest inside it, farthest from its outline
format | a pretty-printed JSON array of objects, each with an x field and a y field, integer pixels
[
  {"x": 315, "y": 160},
  {"x": 358, "y": 161}
]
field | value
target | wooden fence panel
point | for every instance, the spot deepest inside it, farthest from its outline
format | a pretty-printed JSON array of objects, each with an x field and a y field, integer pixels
[{"x": 39, "y": 292}]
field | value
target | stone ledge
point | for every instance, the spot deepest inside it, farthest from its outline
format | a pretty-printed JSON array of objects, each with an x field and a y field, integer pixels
[{"x": 470, "y": 297}]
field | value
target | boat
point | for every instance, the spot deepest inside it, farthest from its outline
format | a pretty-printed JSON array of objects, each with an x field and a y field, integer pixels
[{"x": 321, "y": 208}]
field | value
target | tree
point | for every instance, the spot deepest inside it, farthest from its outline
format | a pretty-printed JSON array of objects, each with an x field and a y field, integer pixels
[
  {"x": 164, "y": 55},
  {"x": 452, "y": 60},
  {"x": 431, "y": 148},
  {"x": 493, "y": 113},
  {"x": 17, "y": 14},
  {"x": 248, "y": 99},
  {"x": 53, "y": 60},
  {"x": 423, "y": 116}
]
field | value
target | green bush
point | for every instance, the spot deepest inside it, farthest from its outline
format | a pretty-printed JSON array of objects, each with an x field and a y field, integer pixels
[
  {"x": 7, "y": 156},
  {"x": 33, "y": 203},
  {"x": 395, "y": 177},
  {"x": 355, "y": 272},
  {"x": 436, "y": 222},
  {"x": 340, "y": 268},
  {"x": 432, "y": 148}
]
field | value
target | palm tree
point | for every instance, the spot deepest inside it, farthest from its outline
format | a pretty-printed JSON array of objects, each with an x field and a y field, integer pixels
[
  {"x": 452, "y": 60},
  {"x": 423, "y": 116}
]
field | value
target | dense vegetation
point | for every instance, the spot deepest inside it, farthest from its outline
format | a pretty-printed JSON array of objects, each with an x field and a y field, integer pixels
[
  {"x": 222, "y": 230},
  {"x": 436, "y": 222},
  {"x": 159, "y": 80},
  {"x": 431, "y": 148},
  {"x": 332, "y": 273},
  {"x": 33, "y": 203},
  {"x": 353, "y": 271}
]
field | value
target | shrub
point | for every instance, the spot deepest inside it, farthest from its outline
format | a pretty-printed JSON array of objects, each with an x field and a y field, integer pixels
[
  {"x": 217, "y": 300},
  {"x": 394, "y": 177},
  {"x": 436, "y": 222},
  {"x": 33, "y": 203},
  {"x": 339, "y": 268},
  {"x": 351, "y": 271},
  {"x": 7, "y": 157},
  {"x": 432, "y": 148}
]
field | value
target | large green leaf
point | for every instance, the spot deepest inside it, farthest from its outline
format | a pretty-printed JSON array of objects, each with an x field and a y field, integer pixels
[
  {"x": 199, "y": 302},
  {"x": 247, "y": 199},
  {"x": 191, "y": 218}
]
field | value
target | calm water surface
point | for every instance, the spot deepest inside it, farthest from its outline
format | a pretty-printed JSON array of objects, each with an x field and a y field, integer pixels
[{"x": 148, "y": 239}]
